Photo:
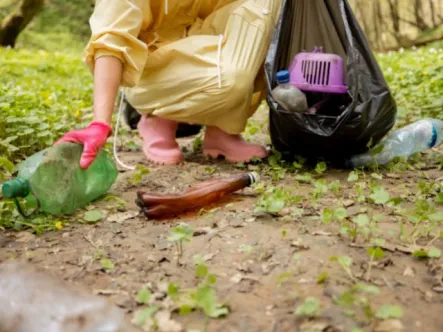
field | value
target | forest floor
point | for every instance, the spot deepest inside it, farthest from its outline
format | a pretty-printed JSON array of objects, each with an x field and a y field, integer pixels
[{"x": 303, "y": 250}]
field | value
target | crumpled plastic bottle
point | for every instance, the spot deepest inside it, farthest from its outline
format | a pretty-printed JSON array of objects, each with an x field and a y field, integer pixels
[
  {"x": 404, "y": 142},
  {"x": 34, "y": 301}
]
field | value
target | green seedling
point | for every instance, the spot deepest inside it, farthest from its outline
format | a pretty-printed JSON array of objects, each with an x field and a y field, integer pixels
[
  {"x": 138, "y": 174},
  {"x": 345, "y": 263},
  {"x": 178, "y": 235},
  {"x": 309, "y": 308}
]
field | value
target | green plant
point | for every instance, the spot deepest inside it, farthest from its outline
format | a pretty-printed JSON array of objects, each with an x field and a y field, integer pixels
[
  {"x": 309, "y": 308},
  {"x": 138, "y": 174},
  {"x": 178, "y": 235}
]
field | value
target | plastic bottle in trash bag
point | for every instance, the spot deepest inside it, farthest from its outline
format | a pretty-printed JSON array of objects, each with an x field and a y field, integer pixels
[
  {"x": 415, "y": 137},
  {"x": 287, "y": 95}
]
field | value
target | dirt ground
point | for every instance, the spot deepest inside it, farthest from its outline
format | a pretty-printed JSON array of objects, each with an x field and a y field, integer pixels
[{"x": 266, "y": 265}]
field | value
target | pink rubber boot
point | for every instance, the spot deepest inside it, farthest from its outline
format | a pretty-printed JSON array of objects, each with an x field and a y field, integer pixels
[
  {"x": 159, "y": 143},
  {"x": 233, "y": 147}
]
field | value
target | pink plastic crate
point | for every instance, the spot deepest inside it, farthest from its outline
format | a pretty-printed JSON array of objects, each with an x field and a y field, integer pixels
[{"x": 318, "y": 72}]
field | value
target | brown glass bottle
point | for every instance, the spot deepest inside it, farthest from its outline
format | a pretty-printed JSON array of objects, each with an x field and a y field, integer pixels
[{"x": 205, "y": 193}]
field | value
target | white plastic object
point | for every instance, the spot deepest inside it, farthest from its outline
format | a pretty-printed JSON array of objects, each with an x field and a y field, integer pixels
[
  {"x": 289, "y": 96},
  {"x": 413, "y": 138}
]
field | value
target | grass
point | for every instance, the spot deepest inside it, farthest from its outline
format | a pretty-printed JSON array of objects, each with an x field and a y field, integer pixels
[{"x": 60, "y": 26}]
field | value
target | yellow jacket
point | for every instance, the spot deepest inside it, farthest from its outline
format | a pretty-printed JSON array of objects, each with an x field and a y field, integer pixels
[{"x": 193, "y": 61}]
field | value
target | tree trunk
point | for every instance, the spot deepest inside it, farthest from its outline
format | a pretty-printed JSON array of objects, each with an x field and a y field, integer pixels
[
  {"x": 418, "y": 11},
  {"x": 378, "y": 23},
  {"x": 433, "y": 13},
  {"x": 17, "y": 21},
  {"x": 395, "y": 17}
]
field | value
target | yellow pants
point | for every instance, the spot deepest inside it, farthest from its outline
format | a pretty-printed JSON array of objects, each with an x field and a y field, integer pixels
[{"x": 213, "y": 76}]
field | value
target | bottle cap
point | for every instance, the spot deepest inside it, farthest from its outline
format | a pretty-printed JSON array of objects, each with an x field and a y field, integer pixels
[
  {"x": 283, "y": 77},
  {"x": 16, "y": 188},
  {"x": 254, "y": 177}
]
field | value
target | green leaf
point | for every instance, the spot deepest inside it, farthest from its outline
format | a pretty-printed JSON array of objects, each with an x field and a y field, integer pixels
[
  {"x": 420, "y": 253},
  {"x": 206, "y": 300},
  {"x": 6, "y": 165},
  {"x": 181, "y": 233},
  {"x": 436, "y": 217},
  {"x": 353, "y": 176},
  {"x": 107, "y": 264},
  {"x": 93, "y": 216},
  {"x": 142, "y": 316},
  {"x": 245, "y": 248},
  {"x": 185, "y": 309},
  {"x": 143, "y": 296},
  {"x": 434, "y": 253},
  {"x": 366, "y": 288},
  {"x": 361, "y": 220},
  {"x": 327, "y": 216},
  {"x": 212, "y": 279},
  {"x": 173, "y": 290},
  {"x": 387, "y": 311},
  {"x": 201, "y": 271},
  {"x": 340, "y": 214},
  {"x": 322, "y": 277},
  {"x": 321, "y": 167},
  {"x": 380, "y": 196},
  {"x": 310, "y": 307},
  {"x": 306, "y": 178},
  {"x": 377, "y": 253}
]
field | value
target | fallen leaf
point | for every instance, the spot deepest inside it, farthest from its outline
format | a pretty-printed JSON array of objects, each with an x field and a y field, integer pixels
[
  {"x": 438, "y": 289},
  {"x": 210, "y": 256},
  {"x": 391, "y": 247},
  {"x": 409, "y": 272},
  {"x": 321, "y": 233},
  {"x": 299, "y": 245},
  {"x": 106, "y": 291},
  {"x": 93, "y": 216},
  {"x": 165, "y": 323},
  {"x": 236, "y": 278},
  {"x": 119, "y": 218},
  {"x": 315, "y": 325},
  {"x": 389, "y": 325},
  {"x": 239, "y": 277}
]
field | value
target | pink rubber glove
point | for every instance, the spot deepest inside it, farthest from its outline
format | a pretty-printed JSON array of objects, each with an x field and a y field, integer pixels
[{"x": 93, "y": 138}]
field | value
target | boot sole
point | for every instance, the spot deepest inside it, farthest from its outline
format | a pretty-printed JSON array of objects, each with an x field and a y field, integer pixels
[{"x": 163, "y": 162}]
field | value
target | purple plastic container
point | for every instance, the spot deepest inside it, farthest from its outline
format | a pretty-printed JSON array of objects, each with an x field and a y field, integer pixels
[{"x": 318, "y": 72}]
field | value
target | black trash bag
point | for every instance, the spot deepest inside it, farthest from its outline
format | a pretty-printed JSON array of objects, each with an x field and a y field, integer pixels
[
  {"x": 346, "y": 124},
  {"x": 132, "y": 118}
]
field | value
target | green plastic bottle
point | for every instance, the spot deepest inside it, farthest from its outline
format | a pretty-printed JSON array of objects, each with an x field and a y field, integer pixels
[{"x": 54, "y": 177}]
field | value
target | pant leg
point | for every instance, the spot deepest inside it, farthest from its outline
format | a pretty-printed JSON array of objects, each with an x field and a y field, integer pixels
[{"x": 181, "y": 80}]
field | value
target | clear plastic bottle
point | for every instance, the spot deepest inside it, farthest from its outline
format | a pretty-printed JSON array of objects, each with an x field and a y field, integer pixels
[
  {"x": 54, "y": 177},
  {"x": 413, "y": 138},
  {"x": 287, "y": 95}
]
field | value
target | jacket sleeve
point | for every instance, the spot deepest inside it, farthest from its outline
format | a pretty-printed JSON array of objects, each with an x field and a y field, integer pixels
[{"x": 115, "y": 27}]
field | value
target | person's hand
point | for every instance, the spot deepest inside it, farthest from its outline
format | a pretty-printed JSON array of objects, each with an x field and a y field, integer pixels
[{"x": 93, "y": 138}]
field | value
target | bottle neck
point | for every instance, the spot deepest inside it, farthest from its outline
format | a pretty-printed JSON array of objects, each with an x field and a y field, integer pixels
[{"x": 18, "y": 187}]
